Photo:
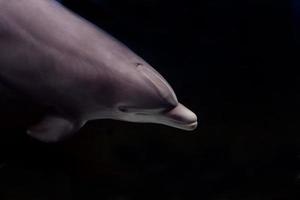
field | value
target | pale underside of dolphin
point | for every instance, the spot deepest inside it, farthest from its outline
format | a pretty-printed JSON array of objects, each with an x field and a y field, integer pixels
[{"x": 80, "y": 72}]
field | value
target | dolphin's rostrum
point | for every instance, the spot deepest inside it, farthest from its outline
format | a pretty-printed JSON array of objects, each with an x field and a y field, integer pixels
[{"x": 55, "y": 57}]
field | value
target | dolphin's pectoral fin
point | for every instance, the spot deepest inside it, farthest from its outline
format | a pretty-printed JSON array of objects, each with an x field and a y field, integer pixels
[{"x": 54, "y": 128}]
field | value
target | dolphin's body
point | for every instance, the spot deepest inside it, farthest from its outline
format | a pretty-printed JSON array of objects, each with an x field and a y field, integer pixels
[{"x": 80, "y": 72}]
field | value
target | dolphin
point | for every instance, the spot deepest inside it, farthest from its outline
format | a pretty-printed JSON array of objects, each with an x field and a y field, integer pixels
[{"x": 79, "y": 72}]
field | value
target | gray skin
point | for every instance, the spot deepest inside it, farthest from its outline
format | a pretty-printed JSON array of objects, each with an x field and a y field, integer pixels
[{"x": 62, "y": 61}]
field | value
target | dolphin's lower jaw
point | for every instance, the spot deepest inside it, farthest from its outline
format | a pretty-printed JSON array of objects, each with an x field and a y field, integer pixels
[{"x": 188, "y": 127}]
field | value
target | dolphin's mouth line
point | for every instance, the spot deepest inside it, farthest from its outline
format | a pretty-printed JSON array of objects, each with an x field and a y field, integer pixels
[
  {"x": 192, "y": 124},
  {"x": 181, "y": 123},
  {"x": 188, "y": 124}
]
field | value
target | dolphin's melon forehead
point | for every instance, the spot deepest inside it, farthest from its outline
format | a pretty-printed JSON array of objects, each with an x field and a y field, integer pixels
[{"x": 161, "y": 86}]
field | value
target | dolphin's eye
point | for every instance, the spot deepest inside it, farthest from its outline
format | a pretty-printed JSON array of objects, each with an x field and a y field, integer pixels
[
  {"x": 123, "y": 109},
  {"x": 138, "y": 64}
]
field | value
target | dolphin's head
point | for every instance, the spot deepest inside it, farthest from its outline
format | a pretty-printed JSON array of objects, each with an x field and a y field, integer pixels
[{"x": 146, "y": 97}]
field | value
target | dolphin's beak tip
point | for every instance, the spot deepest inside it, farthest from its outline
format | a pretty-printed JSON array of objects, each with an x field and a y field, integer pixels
[
  {"x": 191, "y": 126},
  {"x": 184, "y": 118}
]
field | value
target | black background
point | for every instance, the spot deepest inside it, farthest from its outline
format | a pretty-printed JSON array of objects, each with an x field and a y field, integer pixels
[{"x": 231, "y": 62}]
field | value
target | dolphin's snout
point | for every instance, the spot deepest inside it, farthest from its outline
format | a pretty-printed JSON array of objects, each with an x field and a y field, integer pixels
[{"x": 181, "y": 117}]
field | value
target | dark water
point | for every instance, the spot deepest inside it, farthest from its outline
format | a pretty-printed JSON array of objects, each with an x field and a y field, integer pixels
[{"x": 232, "y": 62}]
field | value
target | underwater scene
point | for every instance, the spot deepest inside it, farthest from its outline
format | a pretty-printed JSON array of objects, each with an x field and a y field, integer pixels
[{"x": 149, "y": 99}]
